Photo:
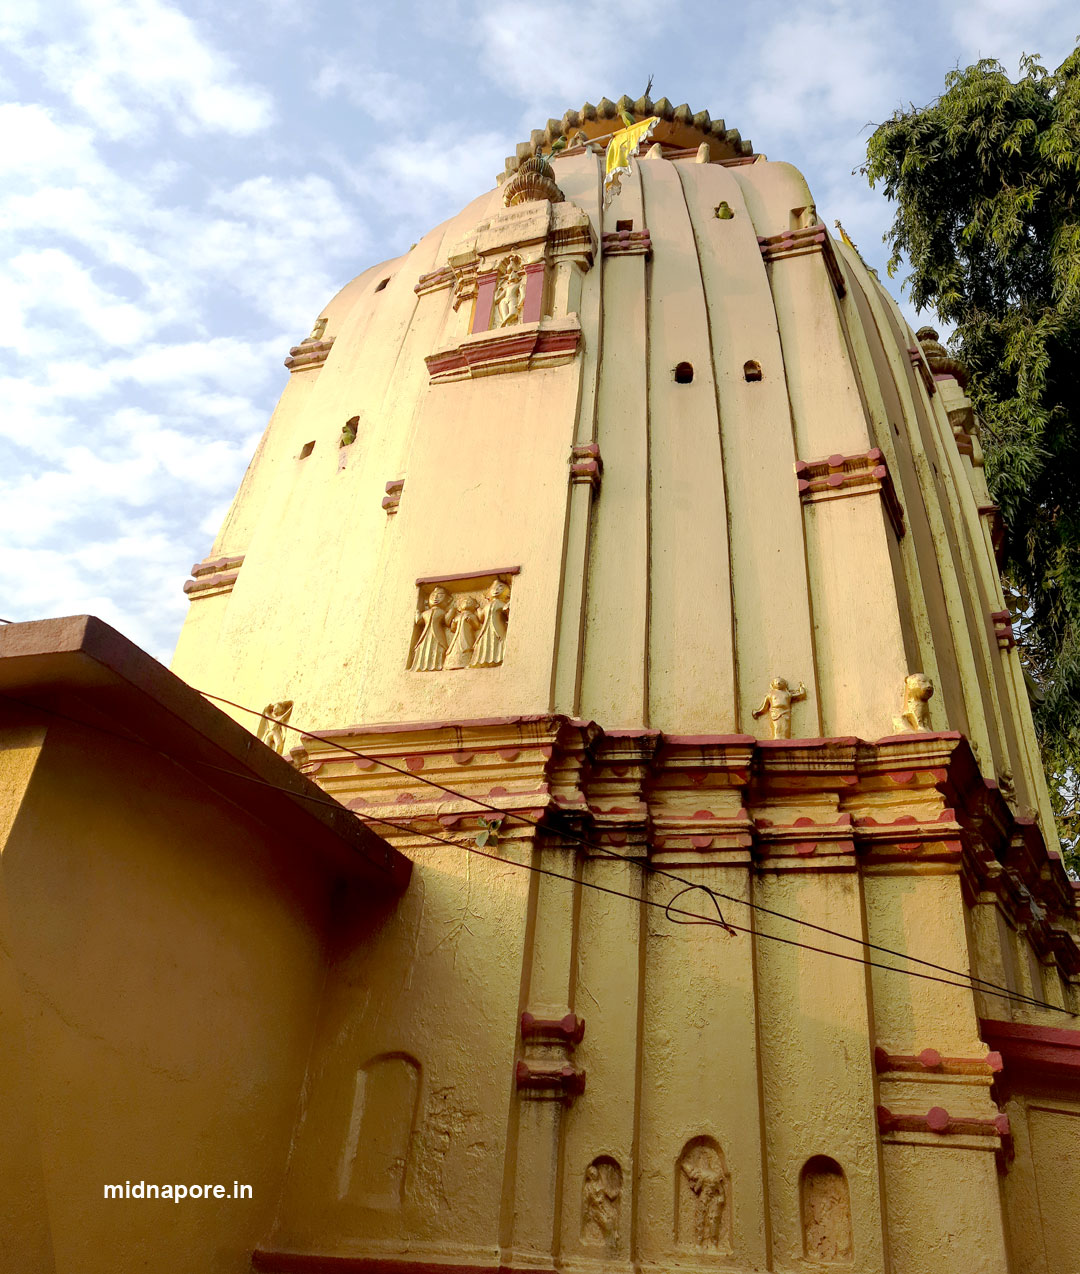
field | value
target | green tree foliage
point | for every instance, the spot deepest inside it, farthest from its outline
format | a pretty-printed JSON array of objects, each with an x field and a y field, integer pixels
[{"x": 987, "y": 185}]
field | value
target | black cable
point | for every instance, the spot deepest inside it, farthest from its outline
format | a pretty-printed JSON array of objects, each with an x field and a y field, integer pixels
[{"x": 604, "y": 851}]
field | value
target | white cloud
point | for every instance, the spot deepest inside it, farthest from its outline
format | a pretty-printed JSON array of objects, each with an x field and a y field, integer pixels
[{"x": 123, "y": 64}]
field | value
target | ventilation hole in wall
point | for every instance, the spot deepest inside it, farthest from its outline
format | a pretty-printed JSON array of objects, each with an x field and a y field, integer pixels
[
  {"x": 722, "y": 211},
  {"x": 624, "y": 225},
  {"x": 382, "y": 284},
  {"x": 306, "y": 450},
  {"x": 751, "y": 370},
  {"x": 684, "y": 373}
]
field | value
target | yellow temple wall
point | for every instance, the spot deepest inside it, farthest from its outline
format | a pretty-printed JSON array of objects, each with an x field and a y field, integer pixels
[{"x": 162, "y": 970}]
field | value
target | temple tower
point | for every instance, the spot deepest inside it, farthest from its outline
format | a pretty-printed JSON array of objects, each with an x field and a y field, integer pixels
[{"x": 651, "y": 538}]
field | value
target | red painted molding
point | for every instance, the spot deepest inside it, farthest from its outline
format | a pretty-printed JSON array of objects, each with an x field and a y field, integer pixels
[
  {"x": 570, "y": 1029},
  {"x": 626, "y": 243},
  {"x": 864, "y": 473},
  {"x": 1049, "y": 1052},
  {"x": 308, "y": 354},
  {"x": 792, "y": 243},
  {"x": 930, "y": 1061},
  {"x": 568, "y": 1079},
  {"x": 938, "y": 1120}
]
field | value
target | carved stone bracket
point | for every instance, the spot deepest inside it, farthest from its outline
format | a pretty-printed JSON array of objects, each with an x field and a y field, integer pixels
[
  {"x": 997, "y": 529},
  {"x": 1003, "y": 629},
  {"x": 547, "y": 343},
  {"x": 392, "y": 498},
  {"x": 863, "y": 474},
  {"x": 626, "y": 243},
  {"x": 801, "y": 242},
  {"x": 586, "y": 466},
  {"x": 213, "y": 576},
  {"x": 308, "y": 354},
  {"x": 564, "y": 1082},
  {"x": 921, "y": 366}
]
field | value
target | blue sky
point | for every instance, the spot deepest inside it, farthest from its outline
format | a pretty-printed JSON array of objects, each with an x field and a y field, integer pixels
[{"x": 183, "y": 186}]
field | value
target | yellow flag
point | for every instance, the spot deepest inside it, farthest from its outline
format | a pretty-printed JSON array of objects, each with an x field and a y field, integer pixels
[{"x": 623, "y": 146}]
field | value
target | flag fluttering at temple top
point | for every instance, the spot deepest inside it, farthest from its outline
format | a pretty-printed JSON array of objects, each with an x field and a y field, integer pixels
[{"x": 623, "y": 146}]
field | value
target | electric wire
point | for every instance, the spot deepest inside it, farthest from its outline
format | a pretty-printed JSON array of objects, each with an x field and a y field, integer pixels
[
  {"x": 607, "y": 852},
  {"x": 668, "y": 907}
]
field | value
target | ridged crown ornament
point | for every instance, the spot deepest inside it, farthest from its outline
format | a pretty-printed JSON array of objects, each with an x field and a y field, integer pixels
[
  {"x": 533, "y": 181},
  {"x": 939, "y": 358}
]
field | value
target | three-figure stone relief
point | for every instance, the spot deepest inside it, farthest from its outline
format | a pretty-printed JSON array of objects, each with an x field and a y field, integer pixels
[
  {"x": 826, "y": 1211},
  {"x": 460, "y": 629},
  {"x": 601, "y": 1202},
  {"x": 777, "y": 703},
  {"x": 275, "y": 717},
  {"x": 702, "y": 1196},
  {"x": 915, "y": 714},
  {"x": 509, "y": 298}
]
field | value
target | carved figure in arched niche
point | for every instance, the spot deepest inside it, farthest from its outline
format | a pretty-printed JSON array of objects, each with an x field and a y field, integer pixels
[
  {"x": 494, "y": 613},
  {"x": 462, "y": 621},
  {"x": 509, "y": 297},
  {"x": 601, "y": 1203},
  {"x": 702, "y": 1216},
  {"x": 826, "y": 1211},
  {"x": 430, "y": 649},
  {"x": 374, "y": 1161}
]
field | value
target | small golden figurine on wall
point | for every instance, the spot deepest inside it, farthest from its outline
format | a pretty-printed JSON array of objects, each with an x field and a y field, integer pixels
[
  {"x": 462, "y": 622},
  {"x": 915, "y": 714},
  {"x": 777, "y": 703},
  {"x": 275, "y": 717}
]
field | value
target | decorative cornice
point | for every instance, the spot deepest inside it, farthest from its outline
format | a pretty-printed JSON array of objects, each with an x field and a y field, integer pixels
[
  {"x": 534, "y": 1079},
  {"x": 626, "y": 243},
  {"x": 546, "y": 343},
  {"x": 308, "y": 354},
  {"x": 801, "y": 242},
  {"x": 213, "y": 576},
  {"x": 679, "y": 127},
  {"x": 865, "y": 473}
]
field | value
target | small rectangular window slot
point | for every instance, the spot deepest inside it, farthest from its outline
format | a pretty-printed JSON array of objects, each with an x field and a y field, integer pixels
[
  {"x": 624, "y": 225},
  {"x": 382, "y": 284},
  {"x": 306, "y": 450}
]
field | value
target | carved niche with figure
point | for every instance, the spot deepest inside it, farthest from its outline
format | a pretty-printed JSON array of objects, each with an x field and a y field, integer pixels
[
  {"x": 702, "y": 1198},
  {"x": 826, "y": 1211},
  {"x": 601, "y": 1203}
]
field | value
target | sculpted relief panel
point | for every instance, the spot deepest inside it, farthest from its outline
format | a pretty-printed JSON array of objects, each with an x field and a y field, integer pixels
[
  {"x": 460, "y": 622},
  {"x": 702, "y": 1198}
]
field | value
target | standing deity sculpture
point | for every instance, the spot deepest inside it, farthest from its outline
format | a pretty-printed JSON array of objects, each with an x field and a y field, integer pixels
[
  {"x": 494, "y": 612},
  {"x": 702, "y": 1194},
  {"x": 430, "y": 649},
  {"x": 777, "y": 703},
  {"x": 509, "y": 298},
  {"x": 462, "y": 621},
  {"x": 275, "y": 717},
  {"x": 915, "y": 714},
  {"x": 600, "y": 1199}
]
